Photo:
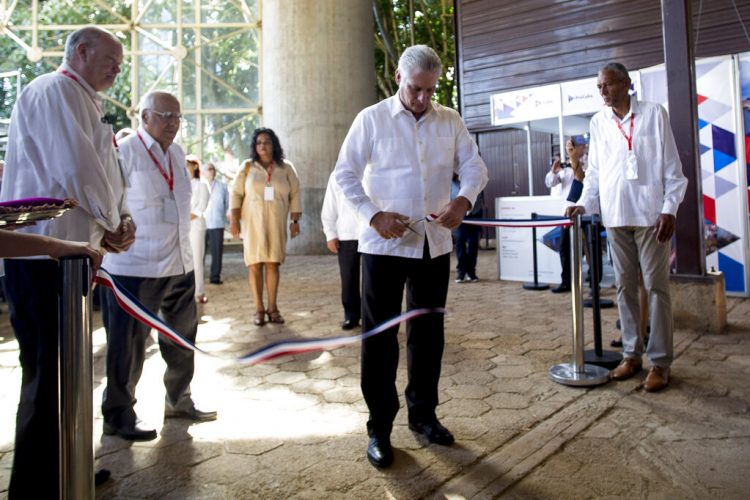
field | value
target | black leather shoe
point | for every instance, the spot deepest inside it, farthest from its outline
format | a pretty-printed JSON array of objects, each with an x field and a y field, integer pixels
[
  {"x": 433, "y": 431},
  {"x": 380, "y": 452},
  {"x": 216, "y": 282},
  {"x": 101, "y": 476},
  {"x": 193, "y": 414},
  {"x": 349, "y": 324},
  {"x": 561, "y": 289},
  {"x": 135, "y": 432}
]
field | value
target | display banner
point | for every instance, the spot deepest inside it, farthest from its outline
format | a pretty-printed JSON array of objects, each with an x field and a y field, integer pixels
[
  {"x": 526, "y": 105},
  {"x": 514, "y": 248},
  {"x": 723, "y": 175},
  {"x": 580, "y": 97}
]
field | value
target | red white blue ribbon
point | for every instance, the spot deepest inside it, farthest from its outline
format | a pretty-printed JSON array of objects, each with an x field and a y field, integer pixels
[
  {"x": 132, "y": 306},
  {"x": 542, "y": 221}
]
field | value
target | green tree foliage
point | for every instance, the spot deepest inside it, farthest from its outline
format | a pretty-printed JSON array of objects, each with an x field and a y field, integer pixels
[
  {"x": 58, "y": 12},
  {"x": 402, "y": 23},
  {"x": 212, "y": 66}
]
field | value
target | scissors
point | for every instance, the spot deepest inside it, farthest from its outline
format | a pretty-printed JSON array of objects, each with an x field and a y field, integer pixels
[{"x": 409, "y": 224}]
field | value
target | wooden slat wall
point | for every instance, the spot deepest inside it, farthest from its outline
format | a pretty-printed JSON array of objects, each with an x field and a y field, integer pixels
[{"x": 508, "y": 44}]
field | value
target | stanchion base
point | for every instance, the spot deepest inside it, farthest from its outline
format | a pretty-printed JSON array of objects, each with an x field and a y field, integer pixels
[
  {"x": 608, "y": 359},
  {"x": 566, "y": 374},
  {"x": 536, "y": 286},
  {"x": 603, "y": 303}
]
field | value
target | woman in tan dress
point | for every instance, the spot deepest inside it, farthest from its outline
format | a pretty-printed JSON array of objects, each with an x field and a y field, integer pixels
[{"x": 264, "y": 193}]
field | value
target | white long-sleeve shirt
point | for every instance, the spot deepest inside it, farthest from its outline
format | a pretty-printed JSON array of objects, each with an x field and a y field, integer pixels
[
  {"x": 58, "y": 147},
  {"x": 199, "y": 200},
  {"x": 162, "y": 217},
  {"x": 338, "y": 216},
  {"x": 559, "y": 183},
  {"x": 391, "y": 162},
  {"x": 660, "y": 184}
]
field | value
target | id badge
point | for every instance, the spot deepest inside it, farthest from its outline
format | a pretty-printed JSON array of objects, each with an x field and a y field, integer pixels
[
  {"x": 268, "y": 193},
  {"x": 170, "y": 210},
  {"x": 631, "y": 167}
]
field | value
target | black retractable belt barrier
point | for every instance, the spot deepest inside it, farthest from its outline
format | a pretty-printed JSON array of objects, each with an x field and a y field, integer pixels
[
  {"x": 594, "y": 238},
  {"x": 598, "y": 356},
  {"x": 535, "y": 285}
]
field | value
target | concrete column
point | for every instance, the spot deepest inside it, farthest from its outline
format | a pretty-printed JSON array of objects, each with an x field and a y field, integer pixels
[{"x": 318, "y": 73}]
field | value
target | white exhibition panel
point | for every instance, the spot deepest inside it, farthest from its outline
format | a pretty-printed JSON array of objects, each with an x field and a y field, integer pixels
[{"x": 514, "y": 248}]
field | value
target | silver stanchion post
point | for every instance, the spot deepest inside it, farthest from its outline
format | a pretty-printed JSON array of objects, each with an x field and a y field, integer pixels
[
  {"x": 578, "y": 373},
  {"x": 76, "y": 381}
]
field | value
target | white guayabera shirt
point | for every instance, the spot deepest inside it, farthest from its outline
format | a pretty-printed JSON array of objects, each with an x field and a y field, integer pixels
[
  {"x": 338, "y": 216},
  {"x": 391, "y": 162},
  {"x": 162, "y": 240},
  {"x": 630, "y": 196},
  {"x": 59, "y": 147}
]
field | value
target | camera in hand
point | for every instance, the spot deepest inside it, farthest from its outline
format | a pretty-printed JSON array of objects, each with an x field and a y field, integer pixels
[{"x": 566, "y": 164}]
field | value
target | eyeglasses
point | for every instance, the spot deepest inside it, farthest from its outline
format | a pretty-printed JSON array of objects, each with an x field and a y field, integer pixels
[{"x": 167, "y": 116}]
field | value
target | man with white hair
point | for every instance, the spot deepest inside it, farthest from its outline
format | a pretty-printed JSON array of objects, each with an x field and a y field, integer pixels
[
  {"x": 58, "y": 147},
  {"x": 395, "y": 168},
  {"x": 158, "y": 270}
]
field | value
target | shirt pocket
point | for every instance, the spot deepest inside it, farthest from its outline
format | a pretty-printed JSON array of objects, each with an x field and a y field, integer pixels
[
  {"x": 390, "y": 153},
  {"x": 442, "y": 152},
  {"x": 145, "y": 196}
]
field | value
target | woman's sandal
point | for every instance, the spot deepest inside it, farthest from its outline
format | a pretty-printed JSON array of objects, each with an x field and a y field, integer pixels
[
  {"x": 260, "y": 318},
  {"x": 275, "y": 317}
]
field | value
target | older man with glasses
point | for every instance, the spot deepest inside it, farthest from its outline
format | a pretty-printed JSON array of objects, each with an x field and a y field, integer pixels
[{"x": 158, "y": 270}]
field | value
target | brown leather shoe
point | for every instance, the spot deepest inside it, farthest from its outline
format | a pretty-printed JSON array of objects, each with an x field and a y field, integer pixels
[
  {"x": 626, "y": 369},
  {"x": 657, "y": 379}
]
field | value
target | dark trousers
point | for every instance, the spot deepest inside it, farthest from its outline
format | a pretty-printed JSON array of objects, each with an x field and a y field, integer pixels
[
  {"x": 215, "y": 246},
  {"x": 31, "y": 287},
  {"x": 349, "y": 268},
  {"x": 173, "y": 299},
  {"x": 565, "y": 256},
  {"x": 467, "y": 247},
  {"x": 426, "y": 283}
]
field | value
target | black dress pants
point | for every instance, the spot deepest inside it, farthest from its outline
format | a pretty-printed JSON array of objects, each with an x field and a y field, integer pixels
[
  {"x": 349, "y": 268},
  {"x": 215, "y": 245},
  {"x": 173, "y": 299},
  {"x": 426, "y": 281},
  {"x": 31, "y": 287}
]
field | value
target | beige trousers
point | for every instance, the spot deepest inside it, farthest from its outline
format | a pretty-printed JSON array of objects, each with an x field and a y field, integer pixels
[{"x": 634, "y": 247}]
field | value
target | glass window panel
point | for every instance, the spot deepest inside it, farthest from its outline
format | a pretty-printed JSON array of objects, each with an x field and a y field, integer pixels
[
  {"x": 223, "y": 11},
  {"x": 157, "y": 11},
  {"x": 203, "y": 51}
]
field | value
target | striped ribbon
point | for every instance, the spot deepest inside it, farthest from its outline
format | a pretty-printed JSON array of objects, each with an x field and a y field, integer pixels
[
  {"x": 541, "y": 221},
  {"x": 130, "y": 304}
]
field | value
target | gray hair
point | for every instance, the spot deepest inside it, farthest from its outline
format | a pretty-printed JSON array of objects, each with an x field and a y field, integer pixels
[
  {"x": 148, "y": 101},
  {"x": 87, "y": 35},
  {"x": 420, "y": 57},
  {"x": 617, "y": 68}
]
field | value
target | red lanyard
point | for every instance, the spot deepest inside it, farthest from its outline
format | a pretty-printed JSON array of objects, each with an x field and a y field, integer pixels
[
  {"x": 75, "y": 79},
  {"x": 627, "y": 138},
  {"x": 169, "y": 178},
  {"x": 269, "y": 171},
  {"x": 98, "y": 108}
]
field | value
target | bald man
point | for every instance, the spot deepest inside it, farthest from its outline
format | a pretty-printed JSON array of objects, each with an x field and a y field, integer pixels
[{"x": 158, "y": 270}]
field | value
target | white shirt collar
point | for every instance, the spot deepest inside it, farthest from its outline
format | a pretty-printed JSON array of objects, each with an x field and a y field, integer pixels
[
  {"x": 633, "y": 107},
  {"x": 82, "y": 81},
  {"x": 396, "y": 107},
  {"x": 150, "y": 141}
]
